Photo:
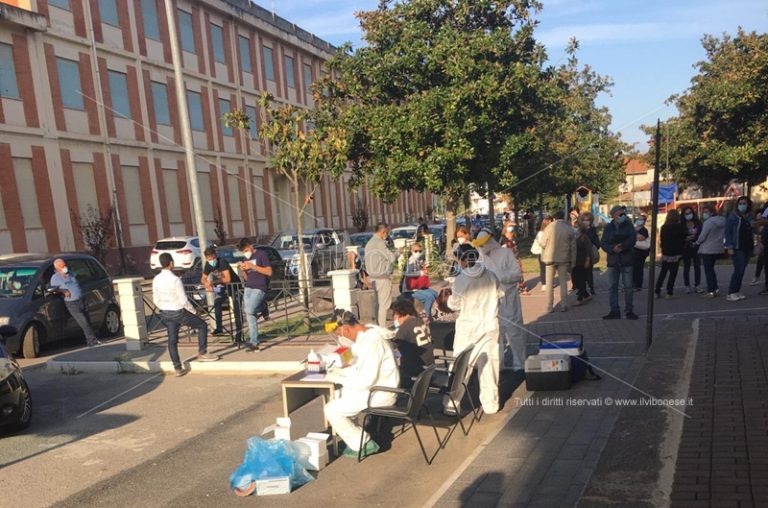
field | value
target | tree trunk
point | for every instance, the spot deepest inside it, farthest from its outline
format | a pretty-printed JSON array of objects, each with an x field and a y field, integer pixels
[
  {"x": 303, "y": 272},
  {"x": 451, "y": 204}
]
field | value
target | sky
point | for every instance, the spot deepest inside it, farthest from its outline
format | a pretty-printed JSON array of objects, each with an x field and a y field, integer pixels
[{"x": 648, "y": 47}]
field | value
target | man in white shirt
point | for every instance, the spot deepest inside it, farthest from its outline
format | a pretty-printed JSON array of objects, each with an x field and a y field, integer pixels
[
  {"x": 374, "y": 365},
  {"x": 168, "y": 295}
]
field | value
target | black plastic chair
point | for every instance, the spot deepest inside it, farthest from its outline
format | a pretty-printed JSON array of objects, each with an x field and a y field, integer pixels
[
  {"x": 442, "y": 333},
  {"x": 408, "y": 413},
  {"x": 453, "y": 384}
]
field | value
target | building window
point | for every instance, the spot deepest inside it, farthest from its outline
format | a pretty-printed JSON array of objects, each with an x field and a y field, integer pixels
[
  {"x": 245, "y": 54},
  {"x": 269, "y": 65},
  {"x": 253, "y": 131},
  {"x": 217, "y": 38},
  {"x": 289, "y": 72},
  {"x": 69, "y": 84},
  {"x": 234, "y": 196},
  {"x": 61, "y": 4},
  {"x": 186, "y": 32},
  {"x": 307, "y": 78},
  {"x": 25, "y": 183},
  {"x": 195, "y": 105},
  {"x": 108, "y": 12},
  {"x": 8, "y": 85},
  {"x": 149, "y": 16},
  {"x": 160, "y": 101},
  {"x": 85, "y": 183},
  {"x": 118, "y": 90},
  {"x": 172, "y": 197},
  {"x": 223, "y": 109},
  {"x": 133, "y": 199}
]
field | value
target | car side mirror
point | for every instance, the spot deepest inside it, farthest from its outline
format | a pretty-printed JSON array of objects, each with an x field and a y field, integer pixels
[{"x": 7, "y": 331}]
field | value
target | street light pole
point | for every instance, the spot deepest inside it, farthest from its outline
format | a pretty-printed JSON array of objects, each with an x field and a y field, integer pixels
[
  {"x": 654, "y": 215},
  {"x": 186, "y": 130}
]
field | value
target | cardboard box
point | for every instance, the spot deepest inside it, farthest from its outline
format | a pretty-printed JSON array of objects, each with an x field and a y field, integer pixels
[
  {"x": 281, "y": 429},
  {"x": 273, "y": 486},
  {"x": 317, "y": 443}
]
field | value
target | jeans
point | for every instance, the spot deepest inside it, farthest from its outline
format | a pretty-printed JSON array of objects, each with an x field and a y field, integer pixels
[
  {"x": 740, "y": 261},
  {"x": 709, "y": 260},
  {"x": 174, "y": 319},
  {"x": 671, "y": 267},
  {"x": 542, "y": 272},
  {"x": 625, "y": 274},
  {"x": 691, "y": 258},
  {"x": 232, "y": 294},
  {"x": 79, "y": 312},
  {"x": 427, "y": 297},
  {"x": 638, "y": 266},
  {"x": 252, "y": 301}
]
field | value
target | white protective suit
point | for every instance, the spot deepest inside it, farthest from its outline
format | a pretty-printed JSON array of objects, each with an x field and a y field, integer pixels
[
  {"x": 374, "y": 365},
  {"x": 476, "y": 296},
  {"x": 504, "y": 265}
]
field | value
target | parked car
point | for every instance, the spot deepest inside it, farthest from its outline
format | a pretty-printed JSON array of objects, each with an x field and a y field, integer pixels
[
  {"x": 184, "y": 249},
  {"x": 359, "y": 240},
  {"x": 325, "y": 247},
  {"x": 402, "y": 234},
  {"x": 233, "y": 255},
  {"x": 438, "y": 233},
  {"x": 15, "y": 397},
  {"x": 41, "y": 317}
]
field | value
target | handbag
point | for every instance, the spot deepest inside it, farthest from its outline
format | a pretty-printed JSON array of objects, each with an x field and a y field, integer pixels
[
  {"x": 643, "y": 244},
  {"x": 536, "y": 247}
]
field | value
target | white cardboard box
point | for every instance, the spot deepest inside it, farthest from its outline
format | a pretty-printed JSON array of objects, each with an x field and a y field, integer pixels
[
  {"x": 273, "y": 486},
  {"x": 317, "y": 443},
  {"x": 281, "y": 428}
]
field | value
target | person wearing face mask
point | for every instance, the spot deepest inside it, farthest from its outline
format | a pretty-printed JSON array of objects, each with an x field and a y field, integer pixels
[
  {"x": 508, "y": 240},
  {"x": 504, "y": 265},
  {"x": 618, "y": 240},
  {"x": 416, "y": 278},
  {"x": 380, "y": 263},
  {"x": 584, "y": 261},
  {"x": 640, "y": 251},
  {"x": 217, "y": 278},
  {"x": 374, "y": 365},
  {"x": 710, "y": 244},
  {"x": 65, "y": 283},
  {"x": 256, "y": 270},
  {"x": 475, "y": 296},
  {"x": 558, "y": 244},
  {"x": 412, "y": 340},
  {"x": 760, "y": 246},
  {"x": 672, "y": 240},
  {"x": 691, "y": 257},
  {"x": 537, "y": 251},
  {"x": 739, "y": 242}
]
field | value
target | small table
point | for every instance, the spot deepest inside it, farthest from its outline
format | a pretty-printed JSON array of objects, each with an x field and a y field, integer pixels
[{"x": 298, "y": 392}]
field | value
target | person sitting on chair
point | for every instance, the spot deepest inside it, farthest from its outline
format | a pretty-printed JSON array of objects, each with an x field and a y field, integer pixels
[
  {"x": 412, "y": 340},
  {"x": 374, "y": 365}
]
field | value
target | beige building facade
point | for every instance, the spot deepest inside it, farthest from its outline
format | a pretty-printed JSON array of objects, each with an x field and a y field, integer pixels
[{"x": 89, "y": 119}]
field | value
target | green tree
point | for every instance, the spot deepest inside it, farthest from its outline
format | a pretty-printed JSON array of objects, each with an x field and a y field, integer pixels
[{"x": 721, "y": 132}]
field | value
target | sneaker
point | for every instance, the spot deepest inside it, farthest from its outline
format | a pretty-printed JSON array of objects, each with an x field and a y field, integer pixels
[
  {"x": 612, "y": 315},
  {"x": 733, "y": 297},
  {"x": 755, "y": 281},
  {"x": 763, "y": 292},
  {"x": 94, "y": 343},
  {"x": 741, "y": 297},
  {"x": 632, "y": 316},
  {"x": 658, "y": 294},
  {"x": 250, "y": 348},
  {"x": 204, "y": 357},
  {"x": 669, "y": 296},
  {"x": 563, "y": 308},
  {"x": 587, "y": 298},
  {"x": 543, "y": 287},
  {"x": 688, "y": 290},
  {"x": 578, "y": 302},
  {"x": 217, "y": 332},
  {"x": 699, "y": 290},
  {"x": 181, "y": 372},
  {"x": 711, "y": 294}
]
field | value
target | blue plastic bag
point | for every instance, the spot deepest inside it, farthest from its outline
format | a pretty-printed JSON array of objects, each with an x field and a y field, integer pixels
[{"x": 271, "y": 458}]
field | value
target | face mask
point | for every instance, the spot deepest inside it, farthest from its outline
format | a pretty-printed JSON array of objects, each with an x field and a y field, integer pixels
[
  {"x": 65, "y": 269},
  {"x": 396, "y": 324},
  {"x": 705, "y": 215},
  {"x": 345, "y": 342},
  {"x": 510, "y": 229},
  {"x": 743, "y": 207},
  {"x": 639, "y": 222},
  {"x": 688, "y": 216},
  {"x": 248, "y": 254},
  {"x": 213, "y": 262},
  {"x": 16, "y": 286},
  {"x": 462, "y": 240},
  {"x": 622, "y": 218}
]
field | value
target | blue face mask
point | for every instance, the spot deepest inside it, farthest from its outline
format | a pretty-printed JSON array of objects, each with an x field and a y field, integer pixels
[
  {"x": 705, "y": 216},
  {"x": 743, "y": 207},
  {"x": 65, "y": 269},
  {"x": 622, "y": 218},
  {"x": 396, "y": 324},
  {"x": 213, "y": 262}
]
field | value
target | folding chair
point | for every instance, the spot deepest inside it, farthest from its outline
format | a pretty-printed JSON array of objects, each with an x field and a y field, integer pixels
[
  {"x": 409, "y": 413},
  {"x": 453, "y": 384}
]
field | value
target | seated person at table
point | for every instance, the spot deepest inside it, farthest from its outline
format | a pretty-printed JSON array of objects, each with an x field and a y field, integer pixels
[
  {"x": 412, "y": 340},
  {"x": 374, "y": 365}
]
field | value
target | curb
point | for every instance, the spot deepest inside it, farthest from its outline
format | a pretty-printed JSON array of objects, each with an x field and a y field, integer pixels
[{"x": 146, "y": 367}]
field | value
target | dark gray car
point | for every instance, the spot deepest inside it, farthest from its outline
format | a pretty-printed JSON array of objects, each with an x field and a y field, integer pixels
[{"x": 42, "y": 318}]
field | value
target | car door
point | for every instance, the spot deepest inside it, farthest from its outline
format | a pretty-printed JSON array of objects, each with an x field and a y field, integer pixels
[
  {"x": 101, "y": 293},
  {"x": 89, "y": 286},
  {"x": 325, "y": 250},
  {"x": 52, "y": 311}
]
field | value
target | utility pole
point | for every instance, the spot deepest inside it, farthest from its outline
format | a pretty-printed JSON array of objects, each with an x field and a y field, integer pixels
[
  {"x": 654, "y": 219},
  {"x": 186, "y": 130}
]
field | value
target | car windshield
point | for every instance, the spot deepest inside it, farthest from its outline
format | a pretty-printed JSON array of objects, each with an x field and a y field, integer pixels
[
  {"x": 360, "y": 240},
  {"x": 14, "y": 280},
  {"x": 403, "y": 233},
  {"x": 290, "y": 242},
  {"x": 231, "y": 255}
]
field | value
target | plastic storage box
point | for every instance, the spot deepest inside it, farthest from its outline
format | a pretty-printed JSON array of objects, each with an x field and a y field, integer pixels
[{"x": 548, "y": 372}]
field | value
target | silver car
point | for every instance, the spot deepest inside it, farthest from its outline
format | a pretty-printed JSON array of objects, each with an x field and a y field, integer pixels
[{"x": 325, "y": 248}]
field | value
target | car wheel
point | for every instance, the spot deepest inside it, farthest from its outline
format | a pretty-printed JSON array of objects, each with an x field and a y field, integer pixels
[
  {"x": 30, "y": 345},
  {"x": 25, "y": 408},
  {"x": 111, "y": 322}
]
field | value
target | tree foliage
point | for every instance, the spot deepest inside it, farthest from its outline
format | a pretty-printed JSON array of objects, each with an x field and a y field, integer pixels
[{"x": 721, "y": 132}]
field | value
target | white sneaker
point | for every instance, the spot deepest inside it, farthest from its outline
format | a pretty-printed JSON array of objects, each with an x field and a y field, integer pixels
[
  {"x": 755, "y": 281},
  {"x": 741, "y": 297},
  {"x": 699, "y": 290},
  {"x": 543, "y": 287},
  {"x": 733, "y": 297}
]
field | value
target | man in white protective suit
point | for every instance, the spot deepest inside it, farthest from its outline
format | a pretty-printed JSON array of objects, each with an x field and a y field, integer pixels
[
  {"x": 374, "y": 365},
  {"x": 504, "y": 265},
  {"x": 475, "y": 295}
]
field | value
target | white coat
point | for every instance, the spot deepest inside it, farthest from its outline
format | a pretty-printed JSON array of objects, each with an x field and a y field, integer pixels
[
  {"x": 504, "y": 265},
  {"x": 476, "y": 296}
]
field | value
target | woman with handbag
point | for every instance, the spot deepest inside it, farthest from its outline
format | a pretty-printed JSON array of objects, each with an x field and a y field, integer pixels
[
  {"x": 536, "y": 250},
  {"x": 640, "y": 251}
]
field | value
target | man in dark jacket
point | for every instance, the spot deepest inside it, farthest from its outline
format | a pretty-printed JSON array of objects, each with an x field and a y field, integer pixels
[{"x": 618, "y": 240}]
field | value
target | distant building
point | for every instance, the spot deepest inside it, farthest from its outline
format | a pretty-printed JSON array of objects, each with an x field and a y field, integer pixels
[
  {"x": 88, "y": 116},
  {"x": 636, "y": 189}
]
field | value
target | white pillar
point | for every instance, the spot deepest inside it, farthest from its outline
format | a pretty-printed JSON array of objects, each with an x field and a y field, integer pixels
[
  {"x": 344, "y": 289},
  {"x": 129, "y": 296}
]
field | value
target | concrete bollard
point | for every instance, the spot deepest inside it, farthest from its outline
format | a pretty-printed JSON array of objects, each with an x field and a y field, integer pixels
[
  {"x": 129, "y": 296},
  {"x": 344, "y": 289}
]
